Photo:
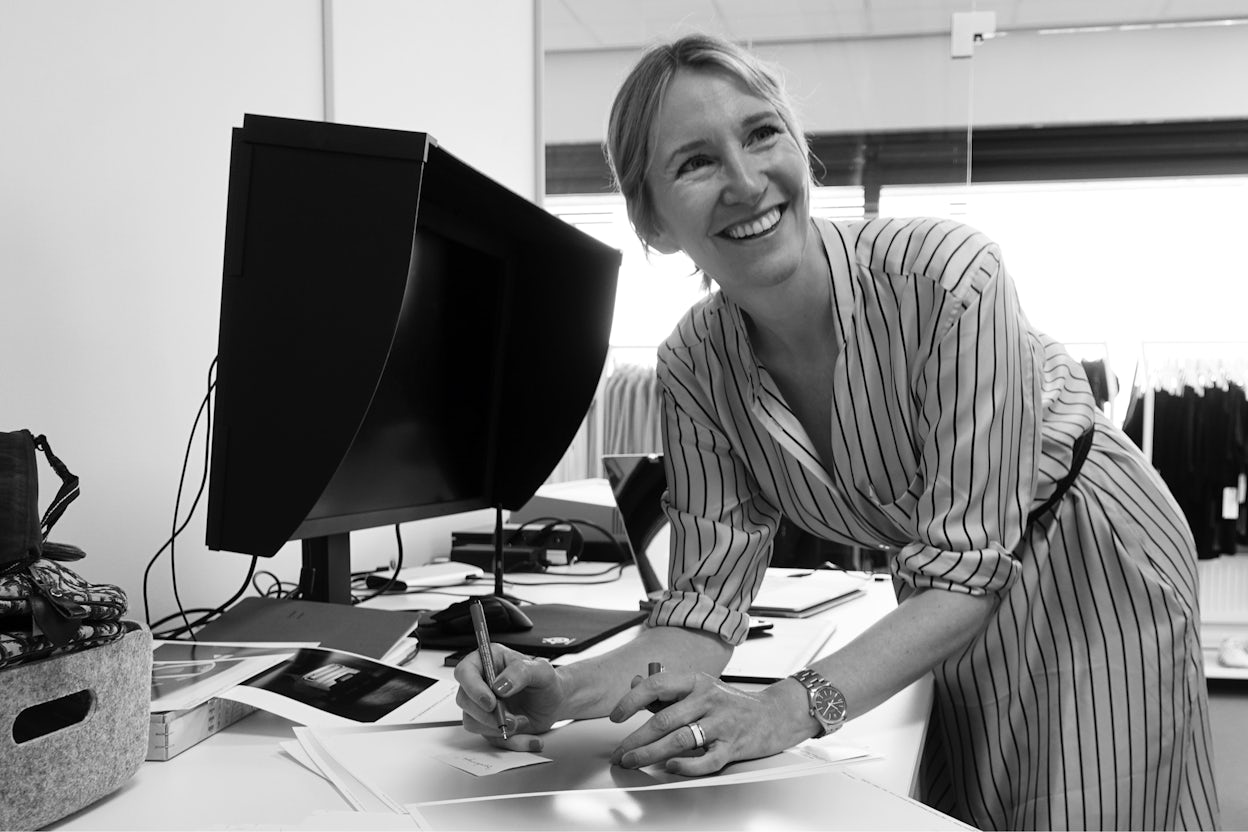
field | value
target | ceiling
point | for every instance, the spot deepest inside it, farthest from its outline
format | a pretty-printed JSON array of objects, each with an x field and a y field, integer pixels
[{"x": 579, "y": 25}]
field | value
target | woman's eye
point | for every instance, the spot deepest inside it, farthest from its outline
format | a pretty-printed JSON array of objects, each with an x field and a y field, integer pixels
[
  {"x": 766, "y": 131},
  {"x": 692, "y": 164}
]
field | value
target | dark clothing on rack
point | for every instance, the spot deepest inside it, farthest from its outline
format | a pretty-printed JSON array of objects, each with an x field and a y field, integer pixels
[{"x": 1200, "y": 448}]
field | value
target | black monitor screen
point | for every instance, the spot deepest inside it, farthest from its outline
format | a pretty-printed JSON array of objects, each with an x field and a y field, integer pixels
[{"x": 400, "y": 337}]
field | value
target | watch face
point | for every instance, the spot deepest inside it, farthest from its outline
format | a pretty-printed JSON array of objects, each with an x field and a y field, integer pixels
[{"x": 829, "y": 704}]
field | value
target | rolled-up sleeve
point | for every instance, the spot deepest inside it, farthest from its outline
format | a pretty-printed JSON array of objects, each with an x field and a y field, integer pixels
[
  {"x": 721, "y": 525},
  {"x": 977, "y": 389}
]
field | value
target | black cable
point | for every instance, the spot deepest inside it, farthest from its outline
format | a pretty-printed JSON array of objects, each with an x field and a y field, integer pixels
[
  {"x": 203, "y": 480},
  {"x": 617, "y": 568},
  {"x": 204, "y": 406},
  {"x": 221, "y": 608},
  {"x": 278, "y": 589},
  {"x": 174, "y": 615},
  {"x": 398, "y": 565}
]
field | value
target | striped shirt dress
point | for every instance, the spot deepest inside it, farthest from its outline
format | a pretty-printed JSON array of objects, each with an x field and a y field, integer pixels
[{"x": 1082, "y": 704}]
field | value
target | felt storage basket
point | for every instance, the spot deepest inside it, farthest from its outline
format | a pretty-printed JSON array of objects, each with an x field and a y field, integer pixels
[{"x": 73, "y": 728}]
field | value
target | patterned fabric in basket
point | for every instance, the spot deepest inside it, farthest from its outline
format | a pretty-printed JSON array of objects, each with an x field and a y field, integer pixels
[{"x": 23, "y": 646}]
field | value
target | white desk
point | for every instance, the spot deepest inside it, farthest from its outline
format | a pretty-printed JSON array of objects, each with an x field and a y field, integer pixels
[{"x": 240, "y": 779}]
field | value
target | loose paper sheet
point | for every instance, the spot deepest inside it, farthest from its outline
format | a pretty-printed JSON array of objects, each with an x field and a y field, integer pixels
[{"x": 405, "y": 765}]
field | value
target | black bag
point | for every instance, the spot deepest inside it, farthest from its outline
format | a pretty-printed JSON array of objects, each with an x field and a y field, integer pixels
[{"x": 44, "y": 606}]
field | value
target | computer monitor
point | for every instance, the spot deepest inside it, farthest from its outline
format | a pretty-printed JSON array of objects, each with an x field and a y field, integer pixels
[{"x": 401, "y": 338}]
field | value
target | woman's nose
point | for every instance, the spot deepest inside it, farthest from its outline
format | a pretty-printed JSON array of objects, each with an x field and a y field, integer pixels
[{"x": 744, "y": 180}]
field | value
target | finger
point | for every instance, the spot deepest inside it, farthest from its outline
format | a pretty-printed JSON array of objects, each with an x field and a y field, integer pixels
[
  {"x": 471, "y": 677},
  {"x": 487, "y": 726},
  {"x": 655, "y": 706},
  {"x": 653, "y": 693},
  {"x": 664, "y": 736},
  {"x": 714, "y": 759},
  {"x": 517, "y": 742},
  {"x": 474, "y": 696},
  {"x": 521, "y": 672}
]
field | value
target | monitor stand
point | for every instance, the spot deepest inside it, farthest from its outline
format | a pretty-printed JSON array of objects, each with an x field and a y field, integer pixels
[
  {"x": 326, "y": 573},
  {"x": 498, "y": 557}
]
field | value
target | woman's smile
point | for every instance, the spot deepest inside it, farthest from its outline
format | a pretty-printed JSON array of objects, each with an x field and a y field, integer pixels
[{"x": 754, "y": 228}]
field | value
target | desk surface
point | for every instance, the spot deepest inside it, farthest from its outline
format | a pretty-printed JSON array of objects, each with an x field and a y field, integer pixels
[{"x": 240, "y": 778}]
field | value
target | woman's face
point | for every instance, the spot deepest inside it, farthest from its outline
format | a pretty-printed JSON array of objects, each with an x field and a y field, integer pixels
[{"x": 728, "y": 183}]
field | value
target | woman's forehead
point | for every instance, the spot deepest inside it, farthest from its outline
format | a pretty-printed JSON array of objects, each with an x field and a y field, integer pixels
[{"x": 698, "y": 100}]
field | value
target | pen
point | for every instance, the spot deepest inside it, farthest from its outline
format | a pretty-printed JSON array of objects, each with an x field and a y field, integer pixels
[
  {"x": 487, "y": 659},
  {"x": 652, "y": 669}
]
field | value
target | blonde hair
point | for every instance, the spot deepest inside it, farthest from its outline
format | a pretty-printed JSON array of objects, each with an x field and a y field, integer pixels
[{"x": 631, "y": 125}]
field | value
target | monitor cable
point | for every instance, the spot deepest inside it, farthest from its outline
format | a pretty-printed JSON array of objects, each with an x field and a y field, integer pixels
[
  {"x": 394, "y": 577},
  {"x": 188, "y": 626},
  {"x": 205, "y": 407}
]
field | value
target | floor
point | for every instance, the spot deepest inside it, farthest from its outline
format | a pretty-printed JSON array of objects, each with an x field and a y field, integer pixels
[{"x": 1228, "y": 716}]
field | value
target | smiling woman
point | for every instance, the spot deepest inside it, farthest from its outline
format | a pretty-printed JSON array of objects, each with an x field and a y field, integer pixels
[{"x": 876, "y": 383}]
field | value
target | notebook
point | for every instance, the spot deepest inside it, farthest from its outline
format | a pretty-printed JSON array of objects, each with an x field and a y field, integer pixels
[
  {"x": 800, "y": 593},
  {"x": 352, "y": 629}
]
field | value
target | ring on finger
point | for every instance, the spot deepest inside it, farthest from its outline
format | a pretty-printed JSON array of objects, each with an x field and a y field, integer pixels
[{"x": 699, "y": 737}]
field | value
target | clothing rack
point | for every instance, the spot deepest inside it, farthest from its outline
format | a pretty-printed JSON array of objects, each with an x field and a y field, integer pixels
[
  {"x": 1173, "y": 365},
  {"x": 1189, "y": 416}
]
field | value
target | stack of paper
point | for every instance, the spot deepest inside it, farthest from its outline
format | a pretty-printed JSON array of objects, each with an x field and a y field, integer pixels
[{"x": 188, "y": 678}]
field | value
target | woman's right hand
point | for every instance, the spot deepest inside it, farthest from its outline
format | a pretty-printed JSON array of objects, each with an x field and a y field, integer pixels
[{"x": 532, "y": 692}]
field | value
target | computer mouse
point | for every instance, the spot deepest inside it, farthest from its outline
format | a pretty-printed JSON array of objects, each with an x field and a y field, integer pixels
[{"x": 501, "y": 616}]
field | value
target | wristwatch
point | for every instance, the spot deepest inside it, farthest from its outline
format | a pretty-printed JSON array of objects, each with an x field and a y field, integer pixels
[{"x": 827, "y": 703}]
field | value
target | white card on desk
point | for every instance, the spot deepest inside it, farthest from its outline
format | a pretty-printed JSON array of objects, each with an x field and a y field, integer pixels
[{"x": 482, "y": 762}]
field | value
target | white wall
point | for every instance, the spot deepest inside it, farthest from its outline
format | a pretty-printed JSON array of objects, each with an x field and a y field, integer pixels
[
  {"x": 911, "y": 82},
  {"x": 464, "y": 72},
  {"x": 113, "y": 173}
]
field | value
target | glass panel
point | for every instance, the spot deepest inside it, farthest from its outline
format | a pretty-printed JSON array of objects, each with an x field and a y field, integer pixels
[{"x": 1114, "y": 263}]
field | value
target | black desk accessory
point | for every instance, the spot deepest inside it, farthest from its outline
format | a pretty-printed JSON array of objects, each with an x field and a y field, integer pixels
[{"x": 557, "y": 629}]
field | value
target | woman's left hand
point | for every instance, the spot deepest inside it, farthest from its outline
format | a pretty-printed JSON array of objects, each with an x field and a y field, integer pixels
[{"x": 735, "y": 724}]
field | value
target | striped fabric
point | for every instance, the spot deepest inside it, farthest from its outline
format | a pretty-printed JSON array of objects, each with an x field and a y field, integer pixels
[{"x": 1082, "y": 704}]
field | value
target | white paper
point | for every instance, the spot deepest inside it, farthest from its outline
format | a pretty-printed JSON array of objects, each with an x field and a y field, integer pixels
[
  {"x": 300, "y": 755},
  {"x": 819, "y": 798},
  {"x": 359, "y": 794},
  {"x": 402, "y": 763}
]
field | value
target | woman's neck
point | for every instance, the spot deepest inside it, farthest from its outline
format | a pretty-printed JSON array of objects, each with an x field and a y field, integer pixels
[{"x": 788, "y": 320}]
